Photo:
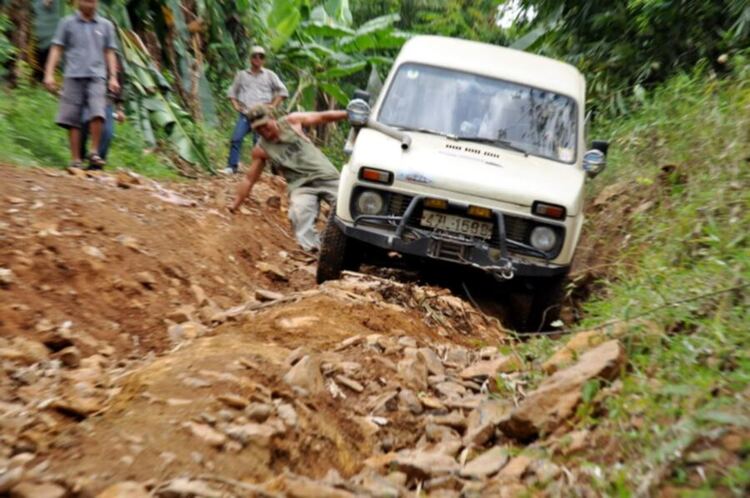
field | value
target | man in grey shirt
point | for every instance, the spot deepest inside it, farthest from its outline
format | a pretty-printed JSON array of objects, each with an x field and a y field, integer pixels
[
  {"x": 253, "y": 86},
  {"x": 89, "y": 43}
]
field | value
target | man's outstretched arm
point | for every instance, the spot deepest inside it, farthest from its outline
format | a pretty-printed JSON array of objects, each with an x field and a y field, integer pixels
[
  {"x": 316, "y": 118},
  {"x": 247, "y": 183}
]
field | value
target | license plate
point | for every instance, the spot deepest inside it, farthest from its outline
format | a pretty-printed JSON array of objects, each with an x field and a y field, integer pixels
[{"x": 457, "y": 224}]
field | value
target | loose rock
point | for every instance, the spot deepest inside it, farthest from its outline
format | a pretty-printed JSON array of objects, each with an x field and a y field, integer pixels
[
  {"x": 490, "y": 368},
  {"x": 127, "y": 489},
  {"x": 258, "y": 434},
  {"x": 6, "y": 276},
  {"x": 580, "y": 342},
  {"x": 422, "y": 465},
  {"x": 413, "y": 371},
  {"x": 32, "y": 490},
  {"x": 557, "y": 397},
  {"x": 306, "y": 375},
  {"x": 350, "y": 383},
  {"x": 434, "y": 365},
  {"x": 486, "y": 464},
  {"x": 206, "y": 433}
]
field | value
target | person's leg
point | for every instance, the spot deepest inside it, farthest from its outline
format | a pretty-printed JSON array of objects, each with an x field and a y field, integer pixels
[
  {"x": 241, "y": 129},
  {"x": 84, "y": 138},
  {"x": 108, "y": 132},
  {"x": 96, "y": 125},
  {"x": 303, "y": 212},
  {"x": 329, "y": 191},
  {"x": 74, "y": 137},
  {"x": 70, "y": 112},
  {"x": 96, "y": 103}
]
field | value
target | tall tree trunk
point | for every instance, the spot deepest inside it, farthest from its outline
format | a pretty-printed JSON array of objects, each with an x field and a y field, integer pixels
[{"x": 21, "y": 17}]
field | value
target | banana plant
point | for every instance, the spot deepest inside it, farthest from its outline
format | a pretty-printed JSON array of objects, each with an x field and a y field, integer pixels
[
  {"x": 324, "y": 53},
  {"x": 154, "y": 106}
]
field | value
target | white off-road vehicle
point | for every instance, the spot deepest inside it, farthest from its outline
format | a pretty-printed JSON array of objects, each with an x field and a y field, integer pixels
[{"x": 474, "y": 155}]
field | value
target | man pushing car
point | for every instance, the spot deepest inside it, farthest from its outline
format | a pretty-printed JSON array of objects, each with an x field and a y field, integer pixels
[{"x": 309, "y": 174}]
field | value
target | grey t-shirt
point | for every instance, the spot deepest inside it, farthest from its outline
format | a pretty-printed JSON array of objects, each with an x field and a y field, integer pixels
[
  {"x": 256, "y": 88},
  {"x": 84, "y": 43}
]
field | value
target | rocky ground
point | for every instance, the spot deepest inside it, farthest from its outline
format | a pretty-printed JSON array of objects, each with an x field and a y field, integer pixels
[{"x": 151, "y": 344}]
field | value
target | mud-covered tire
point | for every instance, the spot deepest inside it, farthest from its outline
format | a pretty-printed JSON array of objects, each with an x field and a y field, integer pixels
[
  {"x": 546, "y": 302},
  {"x": 337, "y": 252}
]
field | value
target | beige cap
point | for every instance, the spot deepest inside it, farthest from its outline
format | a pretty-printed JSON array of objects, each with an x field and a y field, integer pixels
[
  {"x": 258, "y": 115},
  {"x": 257, "y": 49}
]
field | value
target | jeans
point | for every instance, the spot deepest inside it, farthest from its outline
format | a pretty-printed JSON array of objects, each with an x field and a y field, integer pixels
[
  {"x": 108, "y": 132},
  {"x": 241, "y": 129},
  {"x": 304, "y": 207}
]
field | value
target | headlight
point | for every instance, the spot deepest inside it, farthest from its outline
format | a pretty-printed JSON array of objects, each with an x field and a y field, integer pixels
[
  {"x": 543, "y": 238},
  {"x": 370, "y": 202}
]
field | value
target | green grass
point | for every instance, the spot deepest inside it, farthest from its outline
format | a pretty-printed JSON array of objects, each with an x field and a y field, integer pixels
[
  {"x": 684, "y": 387},
  {"x": 29, "y": 137}
]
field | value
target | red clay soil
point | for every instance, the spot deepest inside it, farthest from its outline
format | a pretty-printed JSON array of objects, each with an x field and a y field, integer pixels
[{"x": 116, "y": 260}]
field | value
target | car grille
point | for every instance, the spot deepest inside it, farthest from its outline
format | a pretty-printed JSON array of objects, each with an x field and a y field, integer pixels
[
  {"x": 398, "y": 203},
  {"x": 516, "y": 228}
]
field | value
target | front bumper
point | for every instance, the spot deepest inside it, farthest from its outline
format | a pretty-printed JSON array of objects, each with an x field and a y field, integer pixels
[{"x": 393, "y": 233}]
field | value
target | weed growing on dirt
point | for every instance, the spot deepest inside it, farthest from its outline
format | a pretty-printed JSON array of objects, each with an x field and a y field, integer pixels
[{"x": 684, "y": 160}]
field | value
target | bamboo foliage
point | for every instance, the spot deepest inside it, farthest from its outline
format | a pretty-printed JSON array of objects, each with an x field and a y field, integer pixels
[{"x": 153, "y": 104}]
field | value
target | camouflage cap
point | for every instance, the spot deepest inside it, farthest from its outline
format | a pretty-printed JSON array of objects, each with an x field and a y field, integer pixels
[{"x": 258, "y": 115}]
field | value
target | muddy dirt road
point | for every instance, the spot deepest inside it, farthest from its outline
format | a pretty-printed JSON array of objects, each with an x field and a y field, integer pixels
[{"x": 151, "y": 344}]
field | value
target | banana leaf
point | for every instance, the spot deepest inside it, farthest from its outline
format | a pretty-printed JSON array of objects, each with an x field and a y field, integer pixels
[
  {"x": 336, "y": 92},
  {"x": 340, "y": 12},
  {"x": 162, "y": 112},
  {"x": 344, "y": 70},
  {"x": 282, "y": 21},
  {"x": 326, "y": 30},
  {"x": 142, "y": 118},
  {"x": 156, "y": 109}
]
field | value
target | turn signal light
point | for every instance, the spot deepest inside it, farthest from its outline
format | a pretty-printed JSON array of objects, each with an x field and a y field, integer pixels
[
  {"x": 480, "y": 212},
  {"x": 376, "y": 175},
  {"x": 548, "y": 210},
  {"x": 436, "y": 203}
]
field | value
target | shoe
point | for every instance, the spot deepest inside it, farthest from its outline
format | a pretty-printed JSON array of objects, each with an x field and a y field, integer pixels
[
  {"x": 229, "y": 171},
  {"x": 96, "y": 162}
]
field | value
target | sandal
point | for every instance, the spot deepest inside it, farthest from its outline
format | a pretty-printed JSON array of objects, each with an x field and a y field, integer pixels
[
  {"x": 96, "y": 162},
  {"x": 76, "y": 163}
]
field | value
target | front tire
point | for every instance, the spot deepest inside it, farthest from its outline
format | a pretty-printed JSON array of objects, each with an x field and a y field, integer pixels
[{"x": 337, "y": 252}]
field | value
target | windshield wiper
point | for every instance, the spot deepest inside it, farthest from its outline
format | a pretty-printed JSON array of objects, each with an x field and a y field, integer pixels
[
  {"x": 495, "y": 141},
  {"x": 428, "y": 131}
]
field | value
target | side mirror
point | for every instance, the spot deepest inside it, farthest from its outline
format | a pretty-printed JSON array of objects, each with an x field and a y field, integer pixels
[
  {"x": 600, "y": 145},
  {"x": 594, "y": 162},
  {"x": 362, "y": 95},
  {"x": 358, "y": 112}
]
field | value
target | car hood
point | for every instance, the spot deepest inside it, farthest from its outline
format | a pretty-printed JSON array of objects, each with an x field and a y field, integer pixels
[{"x": 437, "y": 163}]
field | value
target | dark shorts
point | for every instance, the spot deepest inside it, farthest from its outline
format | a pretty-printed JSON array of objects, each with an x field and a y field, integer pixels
[{"x": 79, "y": 94}]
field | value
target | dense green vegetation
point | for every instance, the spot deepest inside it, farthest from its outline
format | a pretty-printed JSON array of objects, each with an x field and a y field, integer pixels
[
  {"x": 29, "y": 137},
  {"x": 626, "y": 47},
  {"x": 182, "y": 55},
  {"x": 678, "y": 248}
]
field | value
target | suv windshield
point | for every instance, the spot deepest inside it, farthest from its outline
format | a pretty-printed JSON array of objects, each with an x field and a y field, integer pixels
[{"x": 469, "y": 106}]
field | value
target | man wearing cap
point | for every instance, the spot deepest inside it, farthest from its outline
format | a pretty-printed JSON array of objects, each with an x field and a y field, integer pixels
[
  {"x": 256, "y": 85},
  {"x": 309, "y": 174}
]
